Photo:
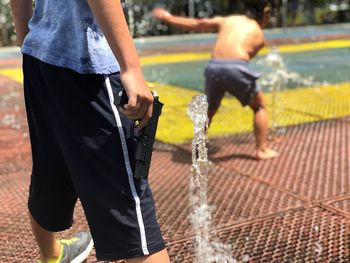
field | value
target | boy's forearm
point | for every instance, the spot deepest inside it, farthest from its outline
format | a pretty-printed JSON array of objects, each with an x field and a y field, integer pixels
[
  {"x": 111, "y": 19},
  {"x": 182, "y": 22},
  {"x": 22, "y": 11}
]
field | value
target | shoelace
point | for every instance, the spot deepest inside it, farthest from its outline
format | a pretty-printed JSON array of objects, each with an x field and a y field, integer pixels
[{"x": 69, "y": 241}]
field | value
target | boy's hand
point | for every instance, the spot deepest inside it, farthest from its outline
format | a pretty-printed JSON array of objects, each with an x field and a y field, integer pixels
[
  {"x": 140, "y": 103},
  {"x": 160, "y": 13}
]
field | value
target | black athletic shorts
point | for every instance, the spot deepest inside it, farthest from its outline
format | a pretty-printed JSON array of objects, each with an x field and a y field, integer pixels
[{"x": 80, "y": 151}]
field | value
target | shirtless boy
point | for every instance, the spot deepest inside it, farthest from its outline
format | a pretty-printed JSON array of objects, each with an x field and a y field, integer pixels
[{"x": 240, "y": 37}]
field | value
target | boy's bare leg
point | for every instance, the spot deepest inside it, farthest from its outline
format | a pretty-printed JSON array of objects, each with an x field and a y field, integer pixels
[
  {"x": 211, "y": 114},
  {"x": 159, "y": 257},
  {"x": 213, "y": 107},
  {"x": 261, "y": 122},
  {"x": 49, "y": 247}
]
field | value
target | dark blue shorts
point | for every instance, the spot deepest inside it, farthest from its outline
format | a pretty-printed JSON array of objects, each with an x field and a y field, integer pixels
[
  {"x": 80, "y": 151},
  {"x": 232, "y": 76}
]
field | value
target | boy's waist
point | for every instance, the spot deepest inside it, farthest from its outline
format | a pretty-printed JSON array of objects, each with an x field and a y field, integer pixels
[{"x": 228, "y": 61}]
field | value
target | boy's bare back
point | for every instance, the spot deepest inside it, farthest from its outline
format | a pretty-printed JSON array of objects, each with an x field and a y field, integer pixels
[{"x": 239, "y": 37}]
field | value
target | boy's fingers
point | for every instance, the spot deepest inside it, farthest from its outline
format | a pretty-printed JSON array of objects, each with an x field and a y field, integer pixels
[
  {"x": 132, "y": 112},
  {"x": 143, "y": 110},
  {"x": 132, "y": 103},
  {"x": 136, "y": 110},
  {"x": 132, "y": 108},
  {"x": 159, "y": 12},
  {"x": 147, "y": 116}
]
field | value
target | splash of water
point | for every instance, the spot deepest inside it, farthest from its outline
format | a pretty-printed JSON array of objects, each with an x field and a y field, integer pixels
[
  {"x": 277, "y": 77},
  {"x": 207, "y": 250},
  {"x": 279, "y": 73}
]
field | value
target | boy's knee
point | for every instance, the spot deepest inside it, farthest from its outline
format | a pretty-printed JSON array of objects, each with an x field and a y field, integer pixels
[
  {"x": 258, "y": 107},
  {"x": 258, "y": 103}
]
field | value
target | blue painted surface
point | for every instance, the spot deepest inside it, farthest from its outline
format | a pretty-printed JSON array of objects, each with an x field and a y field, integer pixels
[{"x": 329, "y": 65}]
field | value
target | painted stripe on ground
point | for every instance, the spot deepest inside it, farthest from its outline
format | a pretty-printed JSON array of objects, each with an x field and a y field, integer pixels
[
  {"x": 295, "y": 106},
  {"x": 292, "y": 107},
  {"x": 197, "y": 56}
]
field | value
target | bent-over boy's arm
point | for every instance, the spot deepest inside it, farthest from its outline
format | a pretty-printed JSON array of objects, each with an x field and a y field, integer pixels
[
  {"x": 194, "y": 24},
  {"x": 22, "y": 11},
  {"x": 111, "y": 19}
]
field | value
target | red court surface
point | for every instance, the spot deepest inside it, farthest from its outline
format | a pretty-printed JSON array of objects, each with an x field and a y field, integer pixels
[{"x": 295, "y": 208}]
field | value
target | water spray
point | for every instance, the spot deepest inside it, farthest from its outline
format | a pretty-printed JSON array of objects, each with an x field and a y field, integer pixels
[{"x": 207, "y": 250}]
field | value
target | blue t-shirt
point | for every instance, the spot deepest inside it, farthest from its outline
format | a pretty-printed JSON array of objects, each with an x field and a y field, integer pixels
[{"x": 65, "y": 33}]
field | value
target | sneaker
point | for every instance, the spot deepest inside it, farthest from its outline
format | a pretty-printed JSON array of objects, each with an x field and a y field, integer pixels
[{"x": 76, "y": 249}]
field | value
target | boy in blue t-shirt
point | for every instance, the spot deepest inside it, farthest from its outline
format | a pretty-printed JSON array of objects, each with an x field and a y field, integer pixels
[{"x": 76, "y": 55}]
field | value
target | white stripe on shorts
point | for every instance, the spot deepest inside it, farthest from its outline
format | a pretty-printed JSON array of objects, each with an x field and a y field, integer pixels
[{"x": 128, "y": 167}]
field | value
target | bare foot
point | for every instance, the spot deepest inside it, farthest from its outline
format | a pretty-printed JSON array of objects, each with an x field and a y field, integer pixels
[{"x": 266, "y": 154}]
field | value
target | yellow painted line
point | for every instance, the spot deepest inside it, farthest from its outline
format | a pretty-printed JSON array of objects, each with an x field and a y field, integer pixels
[
  {"x": 174, "y": 58},
  {"x": 197, "y": 56},
  {"x": 311, "y": 46},
  {"x": 294, "y": 106},
  {"x": 193, "y": 56},
  {"x": 13, "y": 73}
]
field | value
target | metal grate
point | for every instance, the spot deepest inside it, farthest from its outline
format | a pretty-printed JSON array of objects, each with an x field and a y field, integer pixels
[{"x": 292, "y": 209}]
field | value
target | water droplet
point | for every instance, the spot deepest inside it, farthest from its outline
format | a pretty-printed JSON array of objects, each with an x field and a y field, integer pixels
[
  {"x": 245, "y": 258},
  {"x": 319, "y": 248}
]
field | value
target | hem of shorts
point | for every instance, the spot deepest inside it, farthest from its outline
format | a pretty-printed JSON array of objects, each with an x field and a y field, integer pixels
[
  {"x": 224, "y": 61},
  {"x": 256, "y": 91},
  {"x": 45, "y": 225},
  {"x": 62, "y": 62},
  {"x": 135, "y": 253}
]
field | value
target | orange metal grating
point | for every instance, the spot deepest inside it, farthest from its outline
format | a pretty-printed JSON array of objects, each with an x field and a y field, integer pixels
[{"x": 295, "y": 208}]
